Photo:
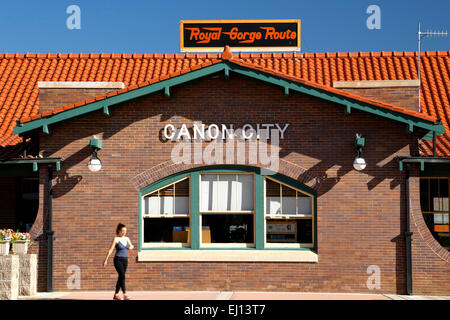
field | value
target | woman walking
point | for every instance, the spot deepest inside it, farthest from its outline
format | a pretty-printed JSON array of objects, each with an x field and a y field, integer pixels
[{"x": 122, "y": 245}]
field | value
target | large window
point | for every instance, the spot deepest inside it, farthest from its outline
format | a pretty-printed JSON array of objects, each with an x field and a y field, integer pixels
[
  {"x": 227, "y": 209},
  {"x": 434, "y": 201},
  {"x": 238, "y": 209},
  {"x": 289, "y": 215},
  {"x": 166, "y": 215}
]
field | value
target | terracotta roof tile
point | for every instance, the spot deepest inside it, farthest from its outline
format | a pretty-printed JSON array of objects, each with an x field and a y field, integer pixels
[{"x": 70, "y": 106}]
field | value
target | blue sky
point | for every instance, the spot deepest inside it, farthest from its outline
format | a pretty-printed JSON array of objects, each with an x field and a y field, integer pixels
[{"x": 152, "y": 26}]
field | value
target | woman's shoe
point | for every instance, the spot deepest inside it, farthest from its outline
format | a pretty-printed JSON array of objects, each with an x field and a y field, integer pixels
[
  {"x": 116, "y": 297},
  {"x": 125, "y": 297}
]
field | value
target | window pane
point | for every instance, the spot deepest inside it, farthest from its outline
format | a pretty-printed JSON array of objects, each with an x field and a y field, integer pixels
[
  {"x": 304, "y": 205},
  {"x": 172, "y": 199},
  {"x": 289, "y": 201},
  {"x": 281, "y": 231},
  {"x": 182, "y": 197},
  {"x": 305, "y": 230},
  {"x": 273, "y": 205},
  {"x": 206, "y": 191},
  {"x": 289, "y": 231},
  {"x": 151, "y": 203},
  {"x": 293, "y": 202},
  {"x": 440, "y": 218},
  {"x": 245, "y": 201},
  {"x": 162, "y": 229},
  {"x": 443, "y": 192},
  {"x": 228, "y": 228},
  {"x": 434, "y": 195},
  {"x": 166, "y": 200},
  {"x": 424, "y": 200},
  {"x": 226, "y": 192},
  {"x": 439, "y": 194},
  {"x": 181, "y": 205}
]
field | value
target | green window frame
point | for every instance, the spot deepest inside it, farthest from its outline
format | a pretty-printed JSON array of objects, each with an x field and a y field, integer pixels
[
  {"x": 289, "y": 218},
  {"x": 194, "y": 176},
  {"x": 161, "y": 210},
  {"x": 435, "y": 205}
]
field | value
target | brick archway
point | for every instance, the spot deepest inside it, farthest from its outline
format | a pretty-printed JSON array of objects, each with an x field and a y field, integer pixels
[
  {"x": 169, "y": 168},
  {"x": 419, "y": 222}
]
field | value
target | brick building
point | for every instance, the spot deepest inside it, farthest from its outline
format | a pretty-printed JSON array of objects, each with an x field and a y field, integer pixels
[{"x": 287, "y": 211}]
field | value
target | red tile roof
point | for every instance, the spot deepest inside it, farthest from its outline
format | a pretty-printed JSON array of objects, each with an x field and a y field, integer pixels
[
  {"x": 19, "y": 74},
  {"x": 228, "y": 56}
]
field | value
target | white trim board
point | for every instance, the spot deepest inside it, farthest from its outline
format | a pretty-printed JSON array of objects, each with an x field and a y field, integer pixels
[
  {"x": 376, "y": 84},
  {"x": 229, "y": 255},
  {"x": 80, "y": 85}
]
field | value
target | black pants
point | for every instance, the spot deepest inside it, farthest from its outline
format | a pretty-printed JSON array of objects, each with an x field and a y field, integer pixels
[{"x": 121, "y": 267}]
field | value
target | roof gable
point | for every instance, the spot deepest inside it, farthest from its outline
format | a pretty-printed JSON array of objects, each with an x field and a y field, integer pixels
[{"x": 227, "y": 65}]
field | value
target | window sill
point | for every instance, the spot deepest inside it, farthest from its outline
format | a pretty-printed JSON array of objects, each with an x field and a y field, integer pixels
[{"x": 228, "y": 255}]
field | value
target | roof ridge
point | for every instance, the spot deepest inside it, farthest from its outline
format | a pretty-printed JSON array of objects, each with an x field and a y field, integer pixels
[
  {"x": 123, "y": 55},
  {"x": 93, "y": 55}
]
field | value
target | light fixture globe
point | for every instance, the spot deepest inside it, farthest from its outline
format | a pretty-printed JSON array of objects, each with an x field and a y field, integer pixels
[
  {"x": 94, "y": 164},
  {"x": 359, "y": 163}
]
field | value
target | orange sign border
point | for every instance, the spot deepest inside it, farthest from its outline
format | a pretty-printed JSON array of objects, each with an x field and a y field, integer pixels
[{"x": 240, "y": 49}]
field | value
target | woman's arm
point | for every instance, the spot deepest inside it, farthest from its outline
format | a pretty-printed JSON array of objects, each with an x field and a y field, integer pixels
[
  {"x": 113, "y": 244},
  {"x": 131, "y": 245}
]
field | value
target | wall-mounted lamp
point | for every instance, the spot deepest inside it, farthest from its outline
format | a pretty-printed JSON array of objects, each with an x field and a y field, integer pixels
[
  {"x": 94, "y": 163},
  {"x": 359, "y": 163}
]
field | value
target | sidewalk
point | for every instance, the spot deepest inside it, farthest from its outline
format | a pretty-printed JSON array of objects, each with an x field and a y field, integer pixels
[{"x": 223, "y": 295}]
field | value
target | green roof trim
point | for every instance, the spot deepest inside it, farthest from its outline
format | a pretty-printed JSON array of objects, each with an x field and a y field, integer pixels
[
  {"x": 111, "y": 101},
  {"x": 348, "y": 103},
  {"x": 227, "y": 66}
]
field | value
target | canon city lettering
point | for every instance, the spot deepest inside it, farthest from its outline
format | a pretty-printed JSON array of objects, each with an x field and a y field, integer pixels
[{"x": 214, "y": 131}]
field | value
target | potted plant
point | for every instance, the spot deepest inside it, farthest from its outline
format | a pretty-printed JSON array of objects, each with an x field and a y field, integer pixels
[
  {"x": 5, "y": 239},
  {"x": 20, "y": 242}
]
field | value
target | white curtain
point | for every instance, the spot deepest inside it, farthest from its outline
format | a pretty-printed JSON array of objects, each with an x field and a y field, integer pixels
[
  {"x": 152, "y": 205},
  {"x": 226, "y": 192},
  {"x": 166, "y": 204},
  {"x": 273, "y": 205}
]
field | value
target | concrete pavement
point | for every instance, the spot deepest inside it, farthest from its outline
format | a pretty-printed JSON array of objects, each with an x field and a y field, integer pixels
[{"x": 223, "y": 295}]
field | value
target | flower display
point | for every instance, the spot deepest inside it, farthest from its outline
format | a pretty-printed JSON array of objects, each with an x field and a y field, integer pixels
[
  {"x": 20, "y": 236},
  {"x": 6, "y": 234}
]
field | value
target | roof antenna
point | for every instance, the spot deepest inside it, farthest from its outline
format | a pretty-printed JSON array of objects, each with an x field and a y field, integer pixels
[{"x": 420, "y": 34}]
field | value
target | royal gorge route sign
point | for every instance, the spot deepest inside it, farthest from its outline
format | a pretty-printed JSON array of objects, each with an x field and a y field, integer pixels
[{"x": 240, "y": 35}]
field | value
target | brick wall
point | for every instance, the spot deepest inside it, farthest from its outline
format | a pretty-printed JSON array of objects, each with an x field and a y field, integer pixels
[
  {"x": 52, "y": 98},
  {"x": 360, "y": 215},
  {"x": 406, "y": 97}
]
